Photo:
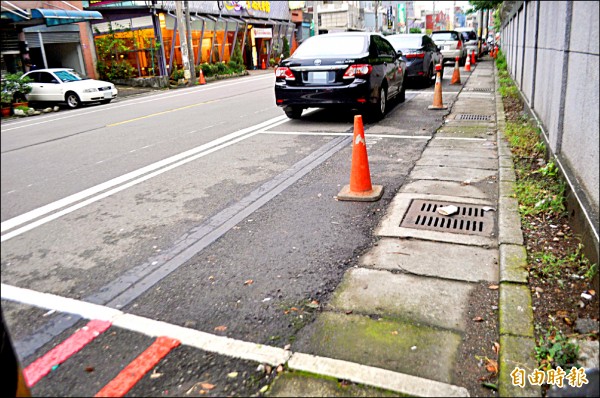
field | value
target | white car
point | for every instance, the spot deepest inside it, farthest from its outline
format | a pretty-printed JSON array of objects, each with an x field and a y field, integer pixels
[{"x": 66, "y": 85}]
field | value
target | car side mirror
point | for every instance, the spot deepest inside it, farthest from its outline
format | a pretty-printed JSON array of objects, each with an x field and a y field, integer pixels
[{"x": 399, "y": 53}]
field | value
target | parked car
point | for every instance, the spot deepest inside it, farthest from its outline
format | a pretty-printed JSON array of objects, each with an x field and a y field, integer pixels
[
  {"x": 66, "y": 85},
  {"x": 349, "y": 69},
  {"x": 451, "y": 43},
  {"x": 471, "y": 41},
  {"x": 421, "y": 55}
]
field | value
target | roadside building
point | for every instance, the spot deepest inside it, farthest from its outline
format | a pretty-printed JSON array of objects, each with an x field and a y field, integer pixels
[{"x": 152, "y": 32}]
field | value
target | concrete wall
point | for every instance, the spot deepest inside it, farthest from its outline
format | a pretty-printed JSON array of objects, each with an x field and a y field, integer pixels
[{"x": 552, "y": 54}]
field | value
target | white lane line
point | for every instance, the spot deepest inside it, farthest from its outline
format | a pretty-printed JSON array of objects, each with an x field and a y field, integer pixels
[
  {"x": 369, "y": 375},
  {"x": 120, "y": 188},
  {"x": 157, "y": 97},
  {"x": 367, "y": 134},
  {"x": 41, "y": 211}
]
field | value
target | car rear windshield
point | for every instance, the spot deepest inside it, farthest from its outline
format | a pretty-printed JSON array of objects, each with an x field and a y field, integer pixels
[
  {"x": 469, "y": 35},
  {"x": 444, "y": 36},
  {"x": 406, "y": 42},
  {"x": 331, "y": 46}
]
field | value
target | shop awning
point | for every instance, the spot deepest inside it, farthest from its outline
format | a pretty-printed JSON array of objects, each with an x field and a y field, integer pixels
[
  {"x": 50, "y": 17},
  {"x": 61, "y": 17}
]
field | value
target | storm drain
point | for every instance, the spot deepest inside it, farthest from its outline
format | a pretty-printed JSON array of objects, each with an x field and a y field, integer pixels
[
  {"x": 480, "y": 89},
  {"x": 471, "y": 117},
  {"x": 469, "y": 219}
]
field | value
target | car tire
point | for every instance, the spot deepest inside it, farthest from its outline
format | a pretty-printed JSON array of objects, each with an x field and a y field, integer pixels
[
  {"x": 429, "y": 76},
  {"x": 402, "y": 95},
  {"x": 293, "y": 112},
  {"x": 462, "y": 61},
  {"x": 378, "y": 109},
  {"x": 72, "y": 100}
]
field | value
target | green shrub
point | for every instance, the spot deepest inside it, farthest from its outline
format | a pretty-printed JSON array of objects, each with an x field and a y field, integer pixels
[{"x": 222, "y": 68}]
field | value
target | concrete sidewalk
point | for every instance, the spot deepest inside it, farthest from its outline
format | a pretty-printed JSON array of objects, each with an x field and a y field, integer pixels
[{"x": 397, "y": 321}]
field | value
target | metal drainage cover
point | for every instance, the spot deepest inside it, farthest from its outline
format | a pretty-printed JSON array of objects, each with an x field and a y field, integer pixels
[
  {"x": 480, "y": 90},
  {"x": 469, "y": 219},
  {"x": 472, "y": 117}
]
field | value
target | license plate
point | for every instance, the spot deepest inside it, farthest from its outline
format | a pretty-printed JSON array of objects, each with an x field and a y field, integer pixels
[
  {"x": 319, "y": 77},
  {"x": 446, "y": 48},
  {"x": 108, "y": 94}
]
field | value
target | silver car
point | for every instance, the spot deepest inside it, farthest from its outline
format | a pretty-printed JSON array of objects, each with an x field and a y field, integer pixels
[
  {"x": 451, "y": 44},
  {"x": 471, "y": 41}
]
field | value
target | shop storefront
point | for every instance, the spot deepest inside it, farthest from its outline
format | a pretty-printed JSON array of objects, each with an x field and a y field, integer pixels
[{"x": 150, "y": 32}]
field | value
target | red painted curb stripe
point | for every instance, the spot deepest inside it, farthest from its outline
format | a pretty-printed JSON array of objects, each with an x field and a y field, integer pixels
[
  {"x": 43, "y": 365},
  {"x": 120, "y": 385}
]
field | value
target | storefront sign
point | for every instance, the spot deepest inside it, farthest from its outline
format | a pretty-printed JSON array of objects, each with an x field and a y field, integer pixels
[
  {"x": 263, "y": 33},
  {"x": 264, "y": 6}
]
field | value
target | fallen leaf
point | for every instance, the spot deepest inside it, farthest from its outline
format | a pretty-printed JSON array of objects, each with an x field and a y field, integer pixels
[
  {"x": 221, "y": 328},
  {"x": 293, "y": 309},
  {"x": 349, "y": 312},
  {"x": 561, "y": 314},
  {"x": 89, "y": 369},
  {"x": 478, "y": 319},
  {"x": 264, "y": 389},
  {"x": 493, "y": 287},
  {"x": 248, "y": 282},
  {"x": 232, "y": 375},
  {"x": 313, "y": 304},
  {"x": 202, "y": 392},
  {"x": 568, "y": 321},
  {"x": 496, "y": 347},
  {"x": 490, "y": 385},
  {"x": 492, "y": 366},
  {"x": 395, "y": 332},
  {"x": 207, "y": 386},
  {"x": 592, "y": 292}
]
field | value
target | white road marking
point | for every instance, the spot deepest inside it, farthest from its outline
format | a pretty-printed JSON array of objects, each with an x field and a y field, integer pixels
[
  {"x": 367, "y": 134},
  {"x": 369, "y": 375},
  {"x": 41, "y": 211}
]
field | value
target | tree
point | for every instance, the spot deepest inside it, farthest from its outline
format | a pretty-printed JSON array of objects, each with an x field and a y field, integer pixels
[
  {"x": 414, "y": 30},
  {"x": 484, "y": 5}
]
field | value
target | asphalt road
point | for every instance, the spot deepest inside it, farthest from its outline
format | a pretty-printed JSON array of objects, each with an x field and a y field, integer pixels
[{"x": 204, "y": 208}]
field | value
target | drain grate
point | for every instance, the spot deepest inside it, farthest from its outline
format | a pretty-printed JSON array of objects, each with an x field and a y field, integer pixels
[
  {"x": 480, "y": 90},
  {"x": 470, "y": 219},
  {"x": 472, "y": 117}
]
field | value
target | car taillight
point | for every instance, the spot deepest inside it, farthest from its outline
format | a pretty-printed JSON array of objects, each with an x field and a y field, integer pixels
[
  {"x": 357, "y": 71},
  {"x": 284, "y": 72},
  {"x": 459, "y": 45},
  {"x": 419, "y": 54}
]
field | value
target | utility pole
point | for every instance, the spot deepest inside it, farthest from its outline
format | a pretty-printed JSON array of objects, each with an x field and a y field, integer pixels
[
  {"x": 190, "y": 43},
  {"x": 376, "y": 15},
  {"x": 183, "y": 40},
  {"x": 316, "y": 16}
]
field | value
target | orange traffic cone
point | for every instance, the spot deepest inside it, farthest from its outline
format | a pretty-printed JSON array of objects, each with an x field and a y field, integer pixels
[
  {"x": 263, "y": 65},
  {"x": 473, "y": 59},
  {"x": 437, "y": 91},
  {"x": 360, "y": 188},
  {"x": 468, "y": 64},
  {"x": 201, "y": 79},
  {"x": 456, "y": 74}
]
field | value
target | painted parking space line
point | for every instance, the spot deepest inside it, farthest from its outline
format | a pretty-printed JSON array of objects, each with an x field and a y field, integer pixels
[
  {"x": 368, "y": 375},
  {"x": 325, "y": 134},
  {"x": 135, "y": 371},
  {"x": 59, "y": 354}
]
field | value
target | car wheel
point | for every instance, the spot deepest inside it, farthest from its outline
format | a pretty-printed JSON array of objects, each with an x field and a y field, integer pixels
[
  {"x": 293, "y": 112},
  {"x": 72, "y": 100},
  {"x": 378, "y": 109},
  {"x": 462, "y": 61},
  {"x": 402, "y": 95},
  {"x": 428, "y": 78}
]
